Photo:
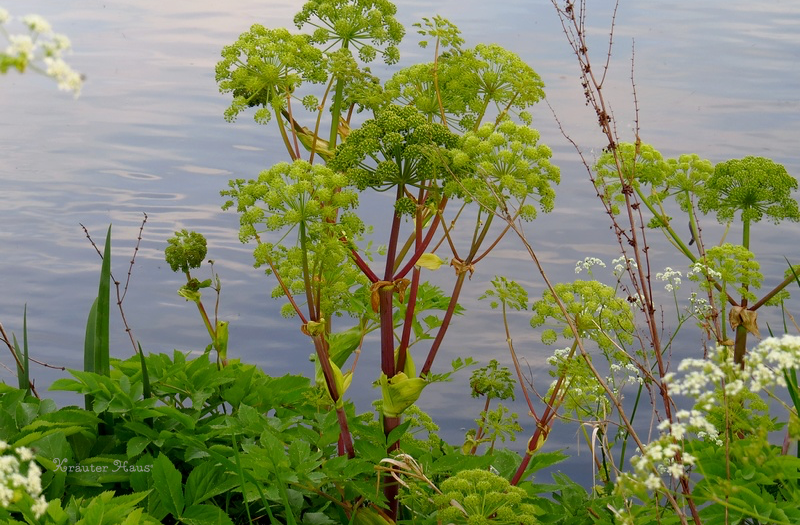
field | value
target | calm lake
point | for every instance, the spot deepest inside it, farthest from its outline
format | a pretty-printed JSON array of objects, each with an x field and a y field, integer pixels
[{"x": 720, "y": 78}]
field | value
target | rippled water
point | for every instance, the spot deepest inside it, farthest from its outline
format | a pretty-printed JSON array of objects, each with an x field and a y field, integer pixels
[{"x": 718, "y": 78}]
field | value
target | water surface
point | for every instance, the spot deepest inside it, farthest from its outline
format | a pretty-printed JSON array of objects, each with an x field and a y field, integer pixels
[{"x": 718, "y": 78}]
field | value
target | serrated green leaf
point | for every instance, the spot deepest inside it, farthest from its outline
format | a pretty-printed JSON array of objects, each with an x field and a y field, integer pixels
[
  {"x": 206, "y": 481},
  {"x": 168, "y": 482},
  {"x": 136, "y": 445},
  {"x": 184, "y": 419},
  {"x": 205, "y": 515}
]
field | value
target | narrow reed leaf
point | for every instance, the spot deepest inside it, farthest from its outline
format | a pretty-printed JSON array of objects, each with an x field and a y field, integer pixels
[{"x": 101, "y": 344}]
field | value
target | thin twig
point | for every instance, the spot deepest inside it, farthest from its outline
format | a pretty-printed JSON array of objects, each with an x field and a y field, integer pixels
[{"x": 121, "y": 295}]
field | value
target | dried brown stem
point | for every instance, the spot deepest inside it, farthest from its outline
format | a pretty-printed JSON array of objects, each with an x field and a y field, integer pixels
[{"x": 121, "y": 295}]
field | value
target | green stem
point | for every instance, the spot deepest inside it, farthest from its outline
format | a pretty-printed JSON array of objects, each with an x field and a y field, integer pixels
[
  {"x": 312, "y": 314},
  {"x": 479, "y": 433},
  {"x": 336, "y": 110},
  {"x": 627, "y": 433},
  {"x": 436, "y": 84},
  {"x": 212, "y": 332},
  {"x": 285, "y": 137},
  {"x": 758, "y": 304}
]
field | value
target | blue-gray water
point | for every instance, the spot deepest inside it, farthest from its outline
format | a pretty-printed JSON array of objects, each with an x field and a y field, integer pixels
[{"x": 719, "y": 78}]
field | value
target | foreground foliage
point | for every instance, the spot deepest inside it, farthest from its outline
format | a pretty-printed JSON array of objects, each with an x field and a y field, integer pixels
[{"x": 447, "y": 154}]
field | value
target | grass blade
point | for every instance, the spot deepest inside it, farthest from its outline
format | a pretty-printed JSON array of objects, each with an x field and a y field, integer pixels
[
  {"x": 101, "y": 338},
  {"x": 146, "y": 392},
  {"x": 88, "y": 349},
  {"x": 23, "y": 371}
]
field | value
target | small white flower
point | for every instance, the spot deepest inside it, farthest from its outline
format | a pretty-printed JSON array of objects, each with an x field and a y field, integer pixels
[
  {"x": 61, "y": 42},
  {"x": 24, "y": 453},
  {"x": 587, "y": 264},
  {"x": 21, "y": 45},
  {"x": 4, "y": 16},
  {"x": 40, "y": 507},
  {"x": 678, "y": 430},
  {"x": 676, "y": 470},
  {"x": 652, "y": 482},
  {"x": 67, "y": 78},
  {"x": 37, "y": 24}
]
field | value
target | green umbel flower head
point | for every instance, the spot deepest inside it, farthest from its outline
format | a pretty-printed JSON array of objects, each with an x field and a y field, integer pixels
[
  {"x": 756, "y": 186},
  {"x": 403, "y": 144},
  {"x": 185, "y": 251},
  {"x": 265, "y": 65}
]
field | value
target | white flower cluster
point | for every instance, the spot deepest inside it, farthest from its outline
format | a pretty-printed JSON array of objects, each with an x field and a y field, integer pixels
[
  {"x": 40, "y": 50},
  {"x": 20, "y": 477},
  {"x": 672, "y": 278},
  {"x": 620, "y": 265},
  {"x": 700, "y": 270},
  {"x": 664, "y": 456},
  {"x": 559, "y": 356},
  {"x": 587, "y": 264},
  {"x": 702, "y": 379},
  {"x": 625, "y": 372},
  {"x": 765, "y": 365},
  {"x": 700, "y": 306}
]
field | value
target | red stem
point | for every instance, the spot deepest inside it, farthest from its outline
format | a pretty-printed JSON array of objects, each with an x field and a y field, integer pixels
[
  {"x": 327, "y": 372},
  {"x": 393, "y": 236},
  {"x": 420, "y": 249},
  {"x": 448, "y": 316},
  {"x": 406, "y": 337}
]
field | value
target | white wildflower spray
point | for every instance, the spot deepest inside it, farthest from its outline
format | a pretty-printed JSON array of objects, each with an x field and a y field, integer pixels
[{"x": 20, "y": 481}]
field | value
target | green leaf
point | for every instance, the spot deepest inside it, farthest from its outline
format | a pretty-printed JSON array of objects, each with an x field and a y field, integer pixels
[
  {"x": 205, "y": 515},
  {"x": 101, "y": 341},
  {"x": 318, "y": 518},
  {"x": 397, "y": 433},
  {"x": 431, "y": 261},
  {"x": 53, "y": 445},
  {"x": 88, "y": 352},
  {"x": 168, "y": 482},
  {"x": 23, "y": 372},
  {"x": 206, "y": 481},
  {"x": 146, "y": 392},
  {"x": 25, "y": 413},
  {"x": 136, "y": 445},
  {"x": 184, "y": 419}
]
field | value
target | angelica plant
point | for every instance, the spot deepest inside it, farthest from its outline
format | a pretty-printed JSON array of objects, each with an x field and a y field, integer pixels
[
  {"x": 594, "y": 307},
  {"x": 411, "y": 149},
  {"x": 266, "y": 68},
  {"x": 754, "y": 186},
  {"x": 309, "y": 203},
  {"x": 492, "y": 382},
  {"x": 479, "y": 496},
  {"x": 185, "y": 252},
  {"x": 469, "y": 85}
]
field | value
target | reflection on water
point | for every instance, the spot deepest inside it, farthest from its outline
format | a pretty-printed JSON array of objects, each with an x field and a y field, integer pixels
[{"x": 718, "y": 78}]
